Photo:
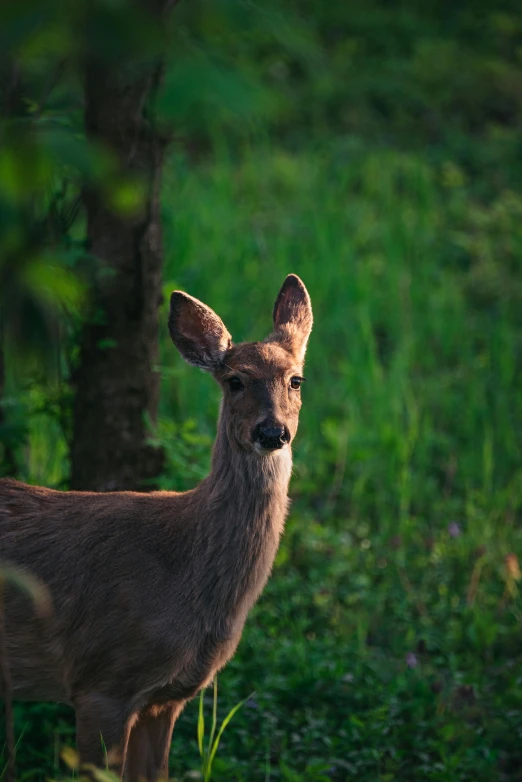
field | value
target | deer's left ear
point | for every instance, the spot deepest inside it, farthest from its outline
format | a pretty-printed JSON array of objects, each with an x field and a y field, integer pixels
[{"x": 293, "y": 316}]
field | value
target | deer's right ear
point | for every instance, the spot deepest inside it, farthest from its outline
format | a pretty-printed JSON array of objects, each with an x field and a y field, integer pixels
[{"x": 198, "y": 333}]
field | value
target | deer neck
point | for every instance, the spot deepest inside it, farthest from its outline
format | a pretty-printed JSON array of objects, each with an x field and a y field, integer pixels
[
  {"x": 245, "y": 502},
  {"x": 248, "y": 483}
]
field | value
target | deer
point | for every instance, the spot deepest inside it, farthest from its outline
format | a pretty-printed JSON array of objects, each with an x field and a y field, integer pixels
[{"x": 150, "y": 591}]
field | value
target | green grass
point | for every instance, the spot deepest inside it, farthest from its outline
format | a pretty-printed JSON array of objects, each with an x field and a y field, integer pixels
[
  {"x": 387, "y": 643},
  {"x": 411, "y": 423}
]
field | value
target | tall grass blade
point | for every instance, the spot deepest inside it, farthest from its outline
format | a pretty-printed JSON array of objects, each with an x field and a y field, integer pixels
[
  {"x": 223, "y": 726},
  {"x": 201, "y": 723},
  {"x": 214, "y": 721}
]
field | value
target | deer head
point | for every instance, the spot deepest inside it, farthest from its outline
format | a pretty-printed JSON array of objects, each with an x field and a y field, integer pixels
[{"x": 261, "y": 381}]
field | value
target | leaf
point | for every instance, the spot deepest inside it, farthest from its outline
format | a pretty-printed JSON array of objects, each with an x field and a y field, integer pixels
[
  {"x": 53, "y": 284},
  {"x": 288, "y": 773},
  {"x": 70, "y": 758}
]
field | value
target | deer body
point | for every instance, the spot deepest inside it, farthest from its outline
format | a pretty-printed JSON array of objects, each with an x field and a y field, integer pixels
[
  {"x": 150, "y": 592},
  {"x": 187, "y": 620}
]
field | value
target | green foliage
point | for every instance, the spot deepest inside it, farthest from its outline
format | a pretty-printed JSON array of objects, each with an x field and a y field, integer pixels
[
  {"x": 381, "y": 162},
  {"x": 187, "y": 452}
]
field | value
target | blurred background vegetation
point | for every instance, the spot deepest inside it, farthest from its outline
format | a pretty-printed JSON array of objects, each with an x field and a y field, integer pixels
[{"x": 375, "y": 150}]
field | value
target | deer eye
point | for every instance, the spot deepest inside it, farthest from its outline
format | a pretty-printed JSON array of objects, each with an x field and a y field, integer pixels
[
  {"x": 235, "y": 384},
  {"x": 295, "y": 383}
]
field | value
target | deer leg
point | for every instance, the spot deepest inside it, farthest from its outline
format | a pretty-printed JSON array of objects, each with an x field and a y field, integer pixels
[
  {"x": 102, "y": 731},
  {"x": 149, "y": 743}
]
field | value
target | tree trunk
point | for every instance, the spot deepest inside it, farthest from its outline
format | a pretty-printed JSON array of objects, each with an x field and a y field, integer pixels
[
  {"x": 11, "y": 106},
  {"x": 116, "y": 385}
]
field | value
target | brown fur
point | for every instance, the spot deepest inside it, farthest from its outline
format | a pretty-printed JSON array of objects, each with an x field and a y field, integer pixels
[{"x": 150, "y": 592}]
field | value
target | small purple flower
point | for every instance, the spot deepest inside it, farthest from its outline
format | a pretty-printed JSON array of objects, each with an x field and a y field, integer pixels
[
  {"x": 454, "y": 530},
  {"x": 411, "y": 660}
]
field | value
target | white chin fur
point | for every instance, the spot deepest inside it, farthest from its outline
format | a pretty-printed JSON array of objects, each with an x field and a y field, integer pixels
[{"x": 268, "y": 451}]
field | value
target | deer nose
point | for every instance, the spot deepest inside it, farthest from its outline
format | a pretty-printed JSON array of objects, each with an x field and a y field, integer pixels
[{"x": 271, "y": 436}]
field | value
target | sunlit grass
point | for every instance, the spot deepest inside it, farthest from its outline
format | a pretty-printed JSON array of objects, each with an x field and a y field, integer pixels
[{"x": 208, "y": 748}]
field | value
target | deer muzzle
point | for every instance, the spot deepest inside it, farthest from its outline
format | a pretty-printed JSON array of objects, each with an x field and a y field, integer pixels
[{"x": 271, "y": 436}]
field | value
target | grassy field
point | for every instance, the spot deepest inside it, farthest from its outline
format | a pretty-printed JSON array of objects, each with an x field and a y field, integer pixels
[{"x": 387, "y": 643}]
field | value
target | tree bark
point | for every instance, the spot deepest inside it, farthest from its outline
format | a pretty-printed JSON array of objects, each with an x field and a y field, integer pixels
[
  {"x": 12, "y": 105},
  {"x": 115, "y": 382}
]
